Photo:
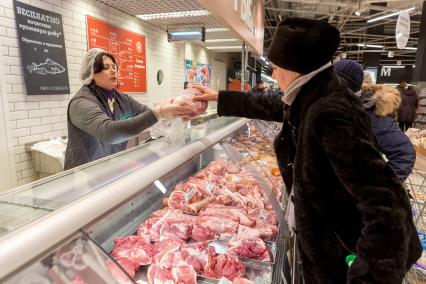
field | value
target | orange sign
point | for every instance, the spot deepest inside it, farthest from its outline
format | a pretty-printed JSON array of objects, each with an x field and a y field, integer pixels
[{"x": 128, "y": 49}]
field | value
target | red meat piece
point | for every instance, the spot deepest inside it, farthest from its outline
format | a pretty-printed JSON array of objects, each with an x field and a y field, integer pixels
[
  {"x": 135, "y": 249},
  {"x": 202, "y": 233},
  {"x": 219, "y": 225},
  {"x": 249, "y": 247},
  {"x": 224, "y": 265}
]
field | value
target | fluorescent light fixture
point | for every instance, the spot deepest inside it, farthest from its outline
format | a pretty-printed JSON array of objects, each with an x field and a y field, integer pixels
[
  {"x": 389, "y": 15},
  {"x": 411, "y": 48},
  {"x": 188, "y": 35},
  {"x": 214, "y": 30},
  {"x": 393, "y": 66},
  {"x": 267, "y": 77},
  {"x": 180, "y": 14},
  {"x": 224, "y": 47},
  {"x": 370, "y": 45},
  {"x": 221, "y": 40}
]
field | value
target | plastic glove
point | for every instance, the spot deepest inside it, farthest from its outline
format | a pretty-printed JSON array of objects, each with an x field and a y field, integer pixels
[{"x": 169, "y": 110}]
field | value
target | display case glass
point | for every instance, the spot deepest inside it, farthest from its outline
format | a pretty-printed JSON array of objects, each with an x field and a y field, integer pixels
[
  {"x": 32, "y": 201},
  {"x": 159, "y": 168}
]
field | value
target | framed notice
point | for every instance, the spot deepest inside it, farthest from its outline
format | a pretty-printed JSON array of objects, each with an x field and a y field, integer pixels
[
  {"x": 42, "y": 45},
  {"x": 198, "y": 72},
  {"x": 128, "y": 49}
]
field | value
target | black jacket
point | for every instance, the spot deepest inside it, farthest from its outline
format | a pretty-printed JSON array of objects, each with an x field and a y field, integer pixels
[
  {"x": 343, "y": 189},
  {"x": 409, "y": 104},
  {"x": 95, "y": 132}
]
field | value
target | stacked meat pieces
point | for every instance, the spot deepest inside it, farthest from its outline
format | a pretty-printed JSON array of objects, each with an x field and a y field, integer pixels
[{"x": 225, "y": 203}]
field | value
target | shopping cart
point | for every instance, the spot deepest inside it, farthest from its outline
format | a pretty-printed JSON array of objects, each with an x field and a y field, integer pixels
[{"x": 416, "y": 187}]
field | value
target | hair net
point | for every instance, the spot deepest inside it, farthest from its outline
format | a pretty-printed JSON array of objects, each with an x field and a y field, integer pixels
[{"x": 86, "y": 72}]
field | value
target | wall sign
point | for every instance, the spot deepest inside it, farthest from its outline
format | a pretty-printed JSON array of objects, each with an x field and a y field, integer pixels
[
  {"x": 42, "y": 45},
  {"x": 128, "y": 49}
]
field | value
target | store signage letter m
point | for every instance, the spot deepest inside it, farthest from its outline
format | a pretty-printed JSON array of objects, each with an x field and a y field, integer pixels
[{"x": 386, "y": 72}]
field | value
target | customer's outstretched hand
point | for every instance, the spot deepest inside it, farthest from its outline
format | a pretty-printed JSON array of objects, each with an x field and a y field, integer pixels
[{"x": 205, "y": 93}]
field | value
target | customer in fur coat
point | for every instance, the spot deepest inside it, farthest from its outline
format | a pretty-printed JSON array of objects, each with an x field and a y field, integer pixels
[
  {"x": 347, "y": 199},
  {"x": 392, "y": 142},
  {"x": 381, "y": 103}
]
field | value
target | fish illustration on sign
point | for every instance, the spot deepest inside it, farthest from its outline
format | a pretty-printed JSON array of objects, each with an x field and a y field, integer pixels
[{"x": 48, "y": 67}]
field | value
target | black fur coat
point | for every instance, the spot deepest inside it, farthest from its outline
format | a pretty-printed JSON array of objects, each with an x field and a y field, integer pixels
[{"x": 345, "y": 195}]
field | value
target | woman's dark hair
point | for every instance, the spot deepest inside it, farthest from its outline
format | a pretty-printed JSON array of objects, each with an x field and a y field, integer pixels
[{"x": 98, "y": 66}]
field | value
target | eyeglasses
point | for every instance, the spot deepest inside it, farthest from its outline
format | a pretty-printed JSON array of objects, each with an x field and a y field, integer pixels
[{"x": 112, "y": 66}]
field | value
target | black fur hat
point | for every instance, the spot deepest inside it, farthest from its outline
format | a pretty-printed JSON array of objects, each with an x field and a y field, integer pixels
[{"x": 303, "y": 45}]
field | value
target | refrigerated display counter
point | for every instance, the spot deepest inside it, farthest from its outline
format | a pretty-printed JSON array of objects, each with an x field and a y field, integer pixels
[{"x": 62, "y": 229}]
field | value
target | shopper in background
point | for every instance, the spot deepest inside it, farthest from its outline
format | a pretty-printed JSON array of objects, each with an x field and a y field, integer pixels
[
  {"x": 381, "y": 106},
  {"x": 259, "y": 89},
  {"x": 407, "y": 110},
  {"x": 101, "y": 119},
  {"x": 347, "y": 200}
]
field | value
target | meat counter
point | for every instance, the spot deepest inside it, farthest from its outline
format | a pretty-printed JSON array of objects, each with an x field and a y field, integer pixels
[{"x": 218, "y": 186}]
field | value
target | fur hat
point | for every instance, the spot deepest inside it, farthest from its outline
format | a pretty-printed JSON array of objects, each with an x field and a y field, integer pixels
[
  {"x": 352, "y": 72},
  {"x": 303, "y": 45}
]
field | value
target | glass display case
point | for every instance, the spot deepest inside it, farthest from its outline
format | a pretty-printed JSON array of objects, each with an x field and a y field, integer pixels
[{"x": 64, "y": 229}]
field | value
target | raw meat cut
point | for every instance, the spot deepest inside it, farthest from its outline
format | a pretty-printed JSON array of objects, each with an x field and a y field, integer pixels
[
  {"x": 238, "y": 213},
  {"x": 196, "y": 254},
  {"x": 249, "y": 247},
  {"x": 128, "y": 265},
  {"x": 184, "y": 274},
  {"x": 135, "y": 249},
  {"x": 179, "y": 229},
  {"x": 218, "y": 225},
  {"x": 264, "y": 215},
  {"x": 159, "y": 275},
  {"x": 177, "y": 199},
  {"x": 224, "y": 265},
  {"x": 264, "y": 233},
  {"x": 201, "y": 233}
]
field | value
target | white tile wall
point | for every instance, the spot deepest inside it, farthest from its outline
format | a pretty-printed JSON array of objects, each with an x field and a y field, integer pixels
[{"x": 33, "y": 118}]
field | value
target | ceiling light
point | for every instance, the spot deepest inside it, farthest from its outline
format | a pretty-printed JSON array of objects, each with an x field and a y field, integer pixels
[
  {"x": 358, "y": 13},
  {"x": 411, "y": 48},
  {"x": 223, "y": 47},
  {"x": 414, "y": 65},
  {"x": 370, "y": 45},
  {"x": 180, "y": 14},
  {"x": 221, "y": 40},
  {"x": 213, "y": 30},
  {"x": 389, "y": 15}
]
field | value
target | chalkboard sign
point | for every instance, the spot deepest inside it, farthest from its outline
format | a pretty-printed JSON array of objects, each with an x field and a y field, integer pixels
[{"x": 41, "y": 39}]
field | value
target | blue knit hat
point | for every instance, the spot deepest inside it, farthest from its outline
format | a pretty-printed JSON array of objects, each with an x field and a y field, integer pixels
[{"x": 352, "y": 72}]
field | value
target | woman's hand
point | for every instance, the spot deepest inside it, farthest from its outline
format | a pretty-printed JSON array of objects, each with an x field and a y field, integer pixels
[
  {"x": 169, "y": 110},
  {"x": 205, "y": 93}
]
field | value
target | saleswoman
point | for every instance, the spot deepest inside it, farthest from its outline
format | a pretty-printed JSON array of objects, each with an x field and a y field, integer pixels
[{"x": 101, "y": 119}]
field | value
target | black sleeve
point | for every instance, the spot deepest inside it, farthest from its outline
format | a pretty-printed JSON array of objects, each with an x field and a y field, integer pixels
[{"x": 265, "y": 107}]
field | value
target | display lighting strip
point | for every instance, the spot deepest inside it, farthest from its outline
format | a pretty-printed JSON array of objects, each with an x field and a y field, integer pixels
[
  {"x": 411, "y": 48},
  {"x": 389, "y": 15},
  {"x": 221, "y": 40},
  {"x": 214, "y": 30},
  {"x": 180, "y": 14},
  {"x": 224, "y": 47},
  {"x": 370, "y": 45}
]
